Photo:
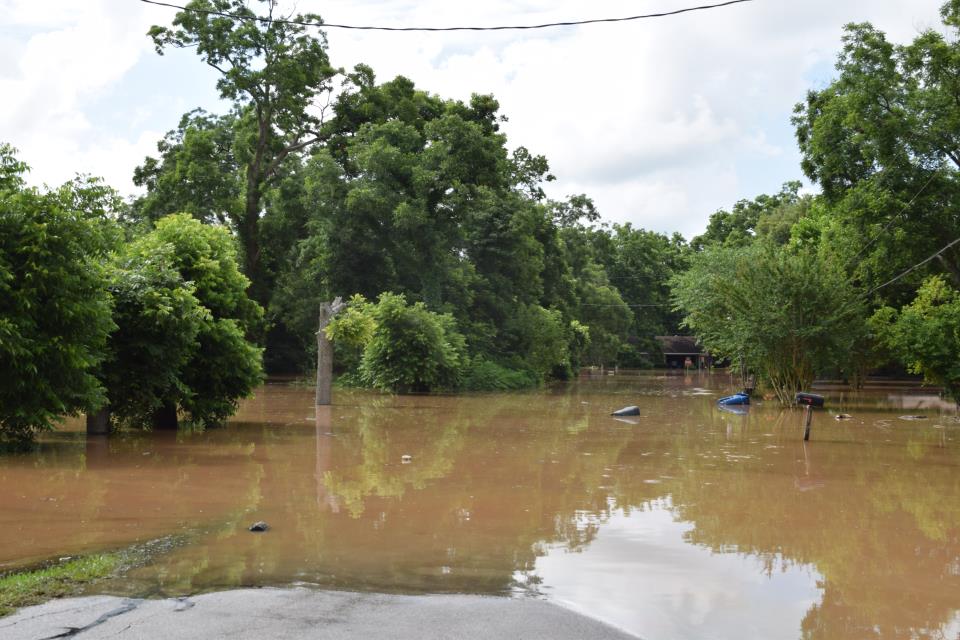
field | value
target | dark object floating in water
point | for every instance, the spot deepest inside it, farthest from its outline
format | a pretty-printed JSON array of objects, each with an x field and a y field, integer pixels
[
  {"x": 259, "y": 526},
  {"x": 627, "y": 411},
  {"x": 809, "y": 399},
  {"x": 735, "y": 399},
  {"x": 913, "y": 417},
  {"x": 735, "y": 409},
  {"x": 843, "y": 416}
]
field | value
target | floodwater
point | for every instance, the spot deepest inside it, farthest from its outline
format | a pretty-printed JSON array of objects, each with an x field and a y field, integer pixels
[{"x": 683, "y": 522}]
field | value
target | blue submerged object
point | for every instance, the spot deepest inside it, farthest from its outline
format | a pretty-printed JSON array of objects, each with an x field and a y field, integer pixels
[
  {"x": 736, "y": 409},
  {"x": 735, "y": 399}
]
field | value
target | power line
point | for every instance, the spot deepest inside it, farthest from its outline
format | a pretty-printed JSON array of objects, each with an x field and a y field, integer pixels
[
  {"x": 632, "y": 306},
  {"x": 919, "y": 264},
  {"x": 894, "y": 218},
  {"x": 546, "y": 25}
]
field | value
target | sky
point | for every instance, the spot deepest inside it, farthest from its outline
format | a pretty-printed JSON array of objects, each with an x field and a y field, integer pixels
[{"x": 660, "y": 121}]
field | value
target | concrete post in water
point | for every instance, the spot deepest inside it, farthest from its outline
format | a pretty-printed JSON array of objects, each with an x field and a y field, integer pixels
[
  {"x": 98, "y": 424},
  {"x": 325, "y": 350}
]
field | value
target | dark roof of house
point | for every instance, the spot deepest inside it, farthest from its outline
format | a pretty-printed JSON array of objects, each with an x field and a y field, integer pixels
[{"x": 679, "y": 345}]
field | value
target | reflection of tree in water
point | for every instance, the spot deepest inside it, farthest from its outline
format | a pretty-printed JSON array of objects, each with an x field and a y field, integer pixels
[
  {"x": 373, "y": 468},
  {"x": 492, "y": 479},
  {"x": 879, "y": 520},
  {"x": 497, "y": 480}
]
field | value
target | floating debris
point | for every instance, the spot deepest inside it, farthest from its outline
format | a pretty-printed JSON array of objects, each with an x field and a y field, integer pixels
[
  {"x": 406, "y": 459},
  {"x": 843, "y": 416},
  {"x": 627, "y": 411},
  {"x": 913, "y": 417},
  {"x": 259, "y": 526}
]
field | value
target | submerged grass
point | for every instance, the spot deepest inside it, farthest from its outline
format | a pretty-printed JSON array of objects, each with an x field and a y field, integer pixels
[{"x": 26, "y": 588}]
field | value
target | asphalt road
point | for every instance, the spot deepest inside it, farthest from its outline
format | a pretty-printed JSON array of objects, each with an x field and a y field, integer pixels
[{"x": 265, "y": 614}]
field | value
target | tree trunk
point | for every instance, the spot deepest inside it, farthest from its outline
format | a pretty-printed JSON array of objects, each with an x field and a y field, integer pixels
[
  {"x": 249, "y": 231},
  {"x": 165, "y": 418},
  {"x": 98, "y": 424}
]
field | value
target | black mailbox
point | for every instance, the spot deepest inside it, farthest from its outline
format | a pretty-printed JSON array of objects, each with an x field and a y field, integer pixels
[{"x": 809, "y": 399}]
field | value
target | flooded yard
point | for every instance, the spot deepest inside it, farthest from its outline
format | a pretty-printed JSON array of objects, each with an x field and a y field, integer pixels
[{"x": 683, "y": 522}]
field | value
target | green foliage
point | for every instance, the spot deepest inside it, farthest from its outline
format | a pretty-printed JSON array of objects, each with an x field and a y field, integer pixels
[
  {"x": 158, "y": 320},
  {"x": 784, "y": 315},
  {"x": 639, "y": 265},
  {"x": 925, "y": 334},
  {"x": 881, "y": 141},
  {"x": 604, "y": 311},
  {"x": 197, "y": 172},
  {"x": 225, "y": 365},
  {"x": 273, "y": 73},
  {"x": 749, "y": 218},
  {"x": 539, "y": 338},
  {"x": 26, "y": 588},
  {"x": 411, "y": 348},
  {"x": 484, "y": 375},
  {"x": 54, "y": 308}
]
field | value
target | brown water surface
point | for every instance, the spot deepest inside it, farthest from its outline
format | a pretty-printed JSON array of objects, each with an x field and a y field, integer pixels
[{"x": 683, "y": 522}]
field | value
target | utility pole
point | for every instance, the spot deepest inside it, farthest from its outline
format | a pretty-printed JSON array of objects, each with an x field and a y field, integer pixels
[{"x": 325, "y": 350}]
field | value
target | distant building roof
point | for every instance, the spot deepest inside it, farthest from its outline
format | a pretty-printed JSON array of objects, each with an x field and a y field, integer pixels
[{"x": 679, "y": 345}]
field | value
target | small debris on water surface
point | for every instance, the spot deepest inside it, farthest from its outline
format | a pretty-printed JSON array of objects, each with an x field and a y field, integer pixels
[
  {"x": 627, "y": 411},
  {"x": 913, "y": 417},
  {"x": 406, "y": 459},
  {"x": 843, "y": 416},
  {"x": 259, "y": 526}
]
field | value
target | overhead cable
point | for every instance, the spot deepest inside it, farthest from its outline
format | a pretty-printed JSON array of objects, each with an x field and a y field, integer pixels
[
  {"x": 895, "y": 217},
  {"x": 546, "y": 25},
  {"x": 632, "y": 306},
  {"x": 919, "y": 264}
]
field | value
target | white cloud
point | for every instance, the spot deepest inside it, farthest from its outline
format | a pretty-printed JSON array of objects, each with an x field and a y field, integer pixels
[
  {"x": 68, "y": 55},
  {"x": 660, "y": 121}
]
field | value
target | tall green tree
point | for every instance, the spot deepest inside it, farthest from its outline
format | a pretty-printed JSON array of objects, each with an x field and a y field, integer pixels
[
  {"x": 54, "y": 307},
  {"x": 197, "y": 172},
  {"x": 881, "y": 142},
  {"x": 640, "y": 264},
  {"x": 276, "y": 74}
]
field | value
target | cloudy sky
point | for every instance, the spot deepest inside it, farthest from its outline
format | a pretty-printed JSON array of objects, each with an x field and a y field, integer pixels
[{"x": 661, "y": 121}]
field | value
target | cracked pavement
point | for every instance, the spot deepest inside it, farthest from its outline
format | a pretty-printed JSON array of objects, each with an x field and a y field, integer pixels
[{"x": 303, "y": 613}]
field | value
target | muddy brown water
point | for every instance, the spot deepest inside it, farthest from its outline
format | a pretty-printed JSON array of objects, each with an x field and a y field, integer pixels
[{"x": 683, "y": 522}]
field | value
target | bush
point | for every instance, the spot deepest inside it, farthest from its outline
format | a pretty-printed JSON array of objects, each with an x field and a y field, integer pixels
[
  {"x": 484, "y": 375},
  {"x": 224, "y": 365},
  {"x": 54, "y": 307},
  {"x": 925, "y": 335},
  {"x": 784, "y": 315},
  {"x": 405, "y": 347},
  {"x": 158, "y": 319}
]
